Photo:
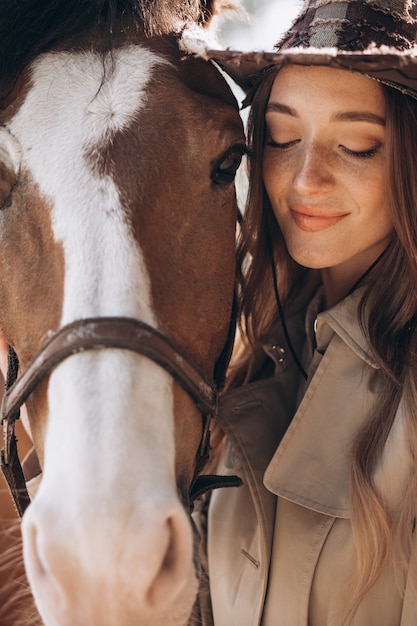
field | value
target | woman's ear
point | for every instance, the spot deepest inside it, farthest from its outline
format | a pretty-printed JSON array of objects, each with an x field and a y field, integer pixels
[{"x": 9, "y": 164}]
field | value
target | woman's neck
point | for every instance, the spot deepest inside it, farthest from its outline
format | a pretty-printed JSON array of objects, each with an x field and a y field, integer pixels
[
  {"x": 336, "y": 285},
  {"x": 341, "y": 280}
]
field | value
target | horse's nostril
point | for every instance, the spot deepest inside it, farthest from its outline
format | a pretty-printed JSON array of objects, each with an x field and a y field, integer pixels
[
  {"x": 71, "y": 569},
  {"x": 174, "y": 572},
  {"x": 37, "y": 566},
  {"x": 33, "y": 551},
  {"x": 168, "y": 564}
]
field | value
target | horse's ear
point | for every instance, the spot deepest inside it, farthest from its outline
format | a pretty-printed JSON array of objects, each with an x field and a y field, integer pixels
[
  {"x": 168, "y": 16},
  {"x": 211, "y": 8},
  {"x": 9, "y": 164}
]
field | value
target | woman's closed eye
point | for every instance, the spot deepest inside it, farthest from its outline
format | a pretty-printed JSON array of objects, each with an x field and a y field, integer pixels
[
  {"x": 285, "y": 145},
  {"x": 362, "y": 154}
]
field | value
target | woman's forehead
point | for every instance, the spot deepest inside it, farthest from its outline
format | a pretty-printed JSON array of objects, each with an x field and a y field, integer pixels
[{"x": 323, "y": 87}]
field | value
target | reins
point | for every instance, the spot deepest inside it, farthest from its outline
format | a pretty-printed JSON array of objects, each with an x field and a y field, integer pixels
[{"x": 104, "y": 333}]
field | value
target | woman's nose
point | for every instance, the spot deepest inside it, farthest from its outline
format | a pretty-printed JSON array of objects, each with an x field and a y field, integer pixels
[{"x": 313, "y": 173}]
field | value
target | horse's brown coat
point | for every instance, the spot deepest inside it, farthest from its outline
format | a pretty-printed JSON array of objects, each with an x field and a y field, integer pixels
[{"x": 163, "y": 165}]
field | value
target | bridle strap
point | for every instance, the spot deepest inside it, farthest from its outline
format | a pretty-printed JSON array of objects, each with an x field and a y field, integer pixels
[
  {"x": 98, "y": 334},
  {"x": 13, "y": 472},
  {"x": 103, "y": 333},
  {"x": 220, "y": 369}
]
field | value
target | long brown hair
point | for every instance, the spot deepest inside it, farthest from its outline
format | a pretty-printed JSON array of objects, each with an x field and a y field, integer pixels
[
  {"x": 259, "y": 233},
  {"x": 390, "y": 323}
]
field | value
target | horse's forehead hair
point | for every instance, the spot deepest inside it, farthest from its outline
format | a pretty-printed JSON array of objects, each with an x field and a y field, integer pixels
[
  {"x": 76, "y": 104},
  {"x": 103, "y": 92}
]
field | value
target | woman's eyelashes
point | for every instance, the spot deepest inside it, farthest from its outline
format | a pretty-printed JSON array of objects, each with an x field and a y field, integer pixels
[
  {"x": 282, "y": 145},
  {"x": 350, "y": 151},
  {"x": 362, "y": 154}
]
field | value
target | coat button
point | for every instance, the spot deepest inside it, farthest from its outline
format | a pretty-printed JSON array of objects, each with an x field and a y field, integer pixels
[{"x": 280, "y": 352}]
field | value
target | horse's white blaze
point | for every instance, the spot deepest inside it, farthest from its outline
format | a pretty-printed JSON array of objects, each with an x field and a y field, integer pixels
[
  {"x": 87, "y": 217},
  {"x": 96, "y": 400}
]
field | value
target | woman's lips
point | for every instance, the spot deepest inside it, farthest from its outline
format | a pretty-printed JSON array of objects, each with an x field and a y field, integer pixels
[{"x": 312, "y": 223}]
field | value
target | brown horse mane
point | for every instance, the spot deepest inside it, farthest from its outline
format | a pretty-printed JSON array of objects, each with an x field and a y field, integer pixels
[{"x": 30, "y": 27}]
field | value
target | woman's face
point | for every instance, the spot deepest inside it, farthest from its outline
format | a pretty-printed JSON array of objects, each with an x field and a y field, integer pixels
[{"x": 325, "y": 170}]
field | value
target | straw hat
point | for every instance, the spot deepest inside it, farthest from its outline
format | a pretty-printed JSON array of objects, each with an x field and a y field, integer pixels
[{"x": 374, "y": 37}]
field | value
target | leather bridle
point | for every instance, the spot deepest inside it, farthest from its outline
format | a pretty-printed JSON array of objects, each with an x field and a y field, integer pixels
[{"x": 126, "y": 334}]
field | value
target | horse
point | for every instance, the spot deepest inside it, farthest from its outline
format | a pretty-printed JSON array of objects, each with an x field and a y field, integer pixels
[{"x": 118, "y": 152}]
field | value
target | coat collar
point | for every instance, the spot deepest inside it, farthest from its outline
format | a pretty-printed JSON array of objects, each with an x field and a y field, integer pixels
[
  {"x": 311, "y": 465},
  {"x": 343, "y": 320}
]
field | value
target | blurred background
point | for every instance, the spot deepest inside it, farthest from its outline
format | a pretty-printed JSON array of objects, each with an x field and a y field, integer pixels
[{"x": 266, "y": 20}]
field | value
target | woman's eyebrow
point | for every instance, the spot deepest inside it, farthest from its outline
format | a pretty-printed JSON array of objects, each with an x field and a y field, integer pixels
[
  {"x": 358, "y": 116},
  {"x": 277, "y": 107},
  {"x": 342, "y": 116}
]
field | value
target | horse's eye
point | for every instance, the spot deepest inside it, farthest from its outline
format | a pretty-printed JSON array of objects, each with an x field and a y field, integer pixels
[{"x": 224, "y": 171}]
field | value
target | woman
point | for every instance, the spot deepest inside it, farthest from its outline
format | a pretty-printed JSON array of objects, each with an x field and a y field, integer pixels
[{"x": 321, "y": 410}]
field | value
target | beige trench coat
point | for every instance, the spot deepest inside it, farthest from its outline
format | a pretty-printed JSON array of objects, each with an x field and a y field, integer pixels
[{"x": 309, "y": 473}]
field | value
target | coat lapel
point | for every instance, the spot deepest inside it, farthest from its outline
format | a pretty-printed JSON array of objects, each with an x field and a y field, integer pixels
[{"x": 311, "y": 465}]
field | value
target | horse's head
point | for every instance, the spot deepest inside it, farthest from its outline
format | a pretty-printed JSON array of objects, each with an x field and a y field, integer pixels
[{"x": 117, "y": 160}]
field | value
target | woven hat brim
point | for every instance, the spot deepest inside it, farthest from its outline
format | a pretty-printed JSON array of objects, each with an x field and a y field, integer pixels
[{"x": 397, "y": 69}]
